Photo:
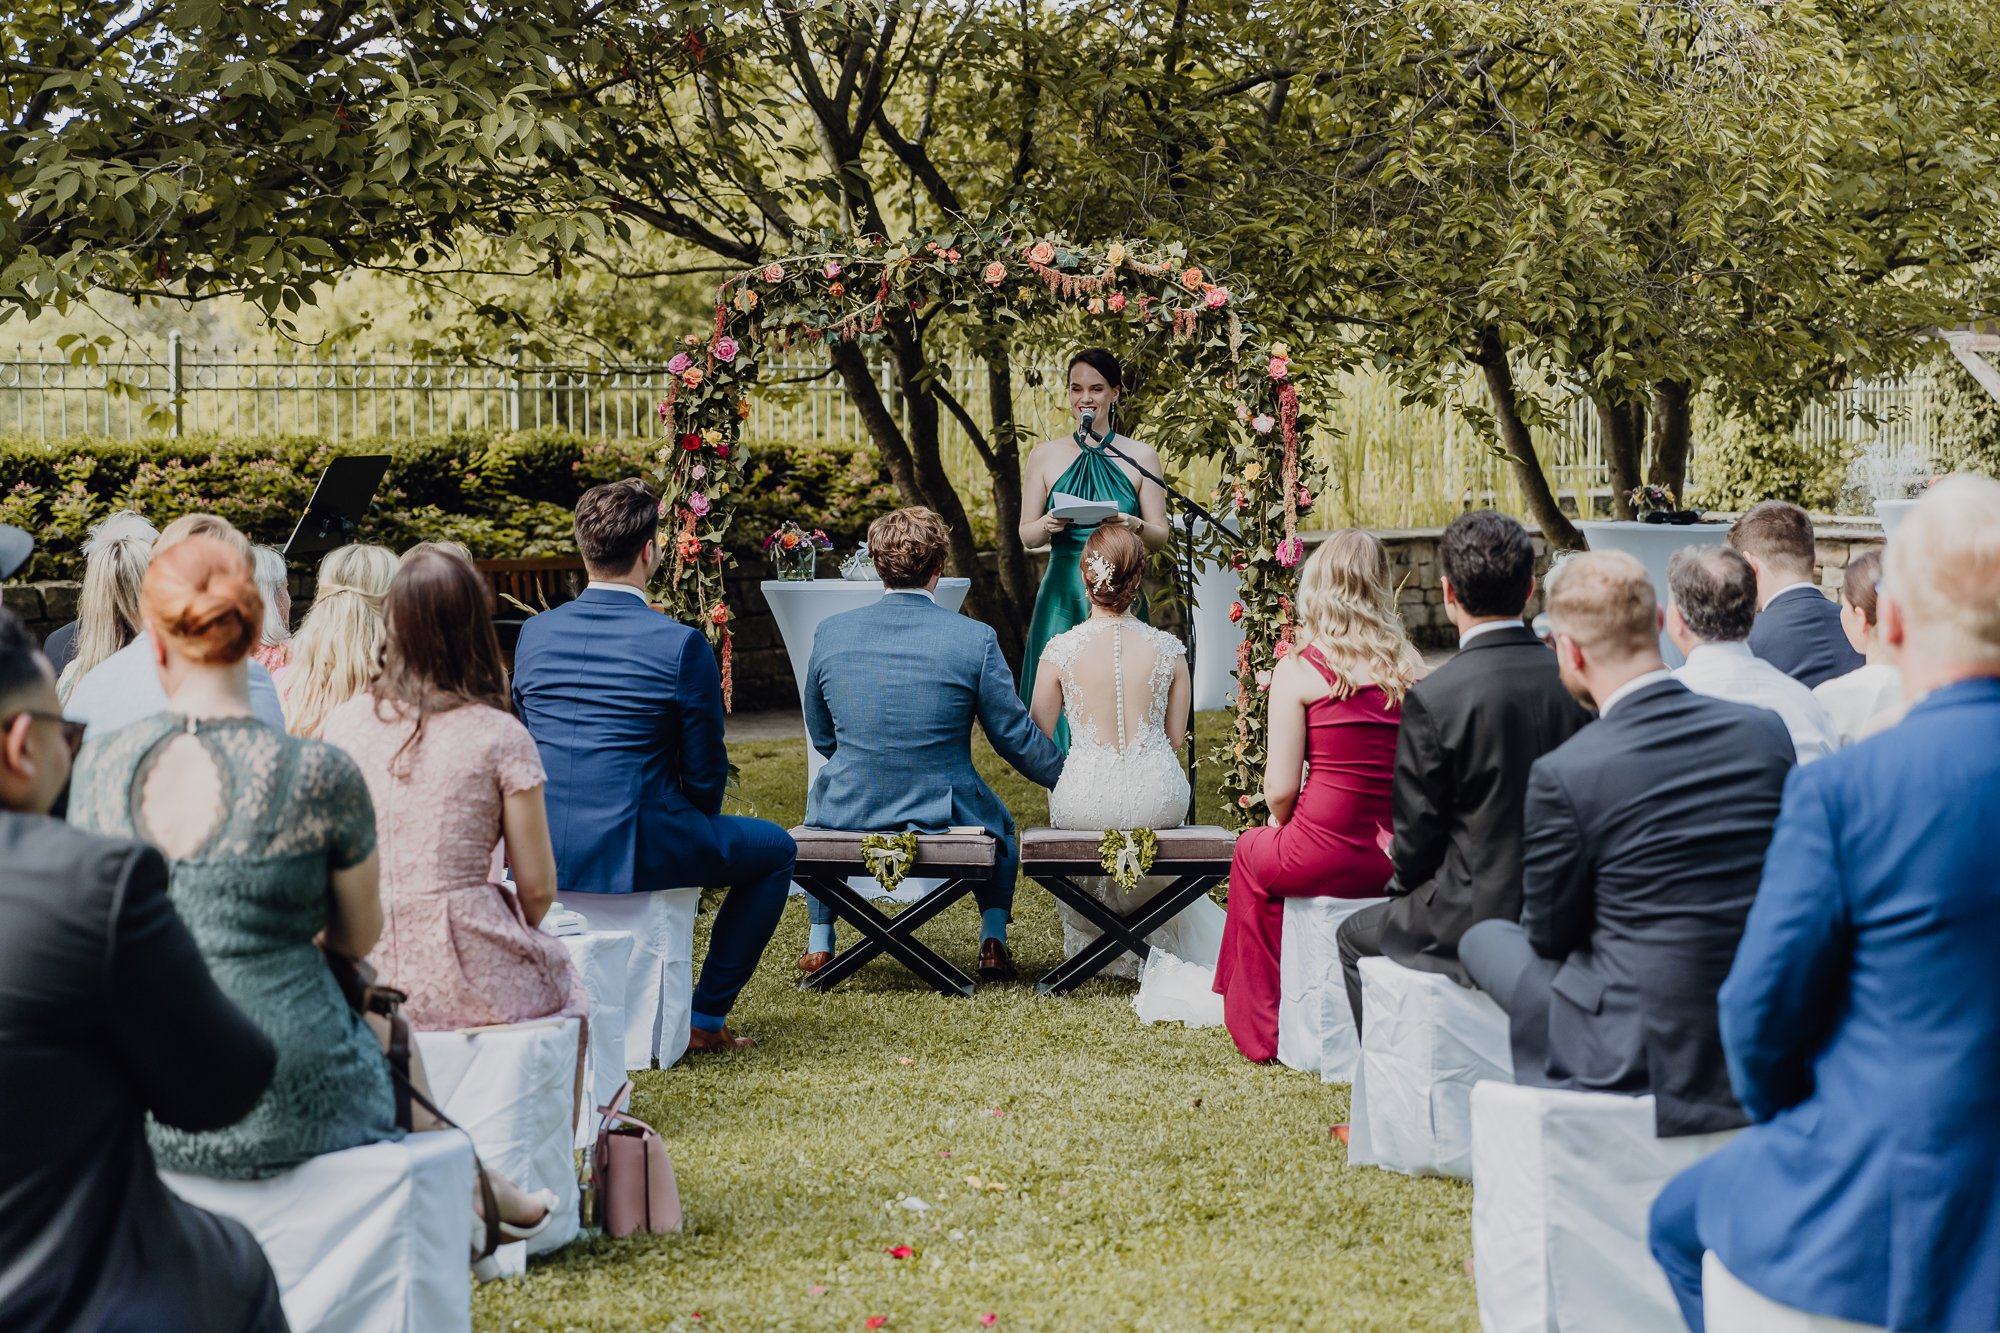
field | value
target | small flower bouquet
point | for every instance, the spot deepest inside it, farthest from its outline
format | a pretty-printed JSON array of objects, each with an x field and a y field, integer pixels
[
  {"x": 1657, "y": 504},
  {"x": 795, "y": 550}
]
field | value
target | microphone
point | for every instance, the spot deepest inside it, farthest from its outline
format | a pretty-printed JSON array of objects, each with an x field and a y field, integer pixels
[{"x": 1089, "y": 419}]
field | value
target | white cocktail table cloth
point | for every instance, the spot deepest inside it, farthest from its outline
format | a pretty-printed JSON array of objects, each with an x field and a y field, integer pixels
[{"x": 1654, "y": 544}]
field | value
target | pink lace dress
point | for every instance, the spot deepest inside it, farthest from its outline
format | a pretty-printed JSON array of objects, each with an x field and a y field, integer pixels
[{"x": 452, "y": 938}]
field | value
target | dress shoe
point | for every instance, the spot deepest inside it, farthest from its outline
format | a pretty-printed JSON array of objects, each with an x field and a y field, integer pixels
[
  {"x": 995, "y": 962},
  {"x": 813, "y": 960},
  {"x": 700, "y": 1041}
]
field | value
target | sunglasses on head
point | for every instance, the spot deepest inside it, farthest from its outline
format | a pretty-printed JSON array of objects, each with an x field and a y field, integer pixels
[{"x": 72, "y": 730}]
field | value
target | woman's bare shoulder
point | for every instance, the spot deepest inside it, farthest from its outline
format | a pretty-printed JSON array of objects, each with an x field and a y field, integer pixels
[{"x": 1139, "y": 449}]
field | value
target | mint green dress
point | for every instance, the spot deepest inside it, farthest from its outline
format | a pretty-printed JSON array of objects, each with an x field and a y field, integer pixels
[
  {"x": 254, "y": 894},
  {"x": 1061, "y": 604}
]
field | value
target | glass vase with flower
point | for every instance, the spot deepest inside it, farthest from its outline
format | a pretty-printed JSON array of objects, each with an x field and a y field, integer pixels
[{"x": 794, "y": 550}]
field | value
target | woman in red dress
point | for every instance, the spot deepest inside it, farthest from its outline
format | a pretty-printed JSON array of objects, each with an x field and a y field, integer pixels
[{"x": 1335, "y": 704}]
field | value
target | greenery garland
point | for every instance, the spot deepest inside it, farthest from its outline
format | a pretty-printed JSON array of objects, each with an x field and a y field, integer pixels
[
  {"x": 889, "y": 857},
  {"x": 1127, "y": 855},
  {"x": 1225, "y": 393}
]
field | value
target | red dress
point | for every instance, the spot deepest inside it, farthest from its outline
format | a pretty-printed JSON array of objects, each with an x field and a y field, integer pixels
[{"x": 1334, "y": 846}]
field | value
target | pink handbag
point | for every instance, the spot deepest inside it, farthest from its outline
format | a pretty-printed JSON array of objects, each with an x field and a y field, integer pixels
[{"x": 631, "y": 1174}]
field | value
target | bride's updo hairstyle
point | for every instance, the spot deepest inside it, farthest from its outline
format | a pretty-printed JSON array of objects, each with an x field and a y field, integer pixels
[
  {"x": 1113, "y": 563},
  {"x": 200, "y": 597},
  {"x": 1348, "y": 611}
]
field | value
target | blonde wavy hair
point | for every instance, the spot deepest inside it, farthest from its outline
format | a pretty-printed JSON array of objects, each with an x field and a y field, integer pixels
[
  {"x": 1348, "y": 611},
  {"x": 338, "y": 648},
  {"x": 115, "y": 560}
]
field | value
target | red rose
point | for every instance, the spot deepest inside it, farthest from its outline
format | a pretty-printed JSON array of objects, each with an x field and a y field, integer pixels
[
  {"x": 691, "y": 441},
  {"x": 1235, "y": 612}
]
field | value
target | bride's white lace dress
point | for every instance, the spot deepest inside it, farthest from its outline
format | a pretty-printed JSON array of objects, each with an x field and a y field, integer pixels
[{"x": 1122, "y": 773}]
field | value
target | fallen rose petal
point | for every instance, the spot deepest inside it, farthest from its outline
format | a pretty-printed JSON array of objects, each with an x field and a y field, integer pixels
[
  {"x": 815, "y": 1291},
  {"x": 904, "y": 1060},
  {"x": 944, "y": 1152},
  {"x": 988, "y": 1320},
  {"x": 875, "y": 1321},
  {"x": 899, "y": 1251},
  {"x": 996, "y": 1111}
]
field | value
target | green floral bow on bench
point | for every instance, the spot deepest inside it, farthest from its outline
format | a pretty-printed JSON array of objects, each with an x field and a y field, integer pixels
[
  {"x": 889, "y": 857},
  {"x": 1127, "y": 855}
]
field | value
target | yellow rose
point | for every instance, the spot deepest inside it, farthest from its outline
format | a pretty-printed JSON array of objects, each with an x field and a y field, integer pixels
[
  {"x": 1114, "y": 254},
  {"x": 1253, "y": 471}
]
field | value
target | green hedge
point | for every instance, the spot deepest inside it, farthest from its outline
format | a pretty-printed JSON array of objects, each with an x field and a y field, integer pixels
[{"x": 506, "y": 495}]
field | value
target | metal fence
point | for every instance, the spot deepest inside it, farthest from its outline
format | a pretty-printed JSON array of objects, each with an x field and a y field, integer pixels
[{"x": 1390, "y": 464}]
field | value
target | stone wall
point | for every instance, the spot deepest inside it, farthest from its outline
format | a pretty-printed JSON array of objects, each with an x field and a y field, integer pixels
[{"x": 763, "y": 672}]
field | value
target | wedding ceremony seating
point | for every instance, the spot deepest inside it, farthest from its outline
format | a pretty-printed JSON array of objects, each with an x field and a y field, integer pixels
[
  {"x": 513, "y": 1089},
  {"x": 659, "y": 969},
  {"x": 1425, "y": 1042},
  {"x": 1730, "y": 1306},
  {"x": 369, "y": 1240},
  {"x": 602, "y": 958},
  {"x": 960, "y": 862},
  {"x": 1316, "y": 1033},
  {"x": 1197, "y": 855},
  {"x": 1562, "y": 1184}
]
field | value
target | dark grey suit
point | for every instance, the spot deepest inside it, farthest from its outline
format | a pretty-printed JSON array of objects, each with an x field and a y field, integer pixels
[
  {"x": 1645, "y": 836},
  {"x": 107, "y": 1012},
  {"x": 1470, "y": 732},
  {"x": 1800, "y": 634}
]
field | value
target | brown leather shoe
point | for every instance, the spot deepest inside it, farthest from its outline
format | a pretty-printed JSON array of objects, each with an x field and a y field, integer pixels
[
  {"x": 700, "y": 1042},
  {"x": 813, "y": 960},
  {"x": 995, "y": 962}
]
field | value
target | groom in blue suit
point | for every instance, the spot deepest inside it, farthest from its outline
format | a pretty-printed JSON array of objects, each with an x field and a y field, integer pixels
[
  {"x": 1861, "y": 1020},
  {"x": 625, "y": 705},
  {"x": 891, "y": 694}
]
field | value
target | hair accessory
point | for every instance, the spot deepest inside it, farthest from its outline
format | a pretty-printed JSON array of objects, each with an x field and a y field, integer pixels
[{"x": 1100, "y": 571}]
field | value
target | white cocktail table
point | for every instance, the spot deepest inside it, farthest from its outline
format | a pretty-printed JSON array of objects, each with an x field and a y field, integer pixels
[{"x": 1654, "y": 544}]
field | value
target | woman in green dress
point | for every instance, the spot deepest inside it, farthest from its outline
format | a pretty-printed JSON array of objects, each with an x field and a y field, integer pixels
[{"x": 1081, "y": 466}]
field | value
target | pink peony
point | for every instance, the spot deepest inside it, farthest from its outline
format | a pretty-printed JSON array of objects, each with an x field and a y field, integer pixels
[
  {"x": 1117, "y": 302},
  {"x": 1262, "y": 423},
  {"x": 832, "y": 269},
  {"x": 1217, "y": 298},
  {"x": 1290, "y": 551},
  {"x": 996, "y": 273},
  {"x": 698, "y": 505},
  {"x": 774, "y": 272},
  {"x": 1280, "y": 367},
  {"x": 725, "y": 349},
  {"x": 675, "y": 367}
]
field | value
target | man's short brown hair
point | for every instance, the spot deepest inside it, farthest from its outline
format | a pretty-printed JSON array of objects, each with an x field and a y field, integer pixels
[
  {"x": 1779, "y": 534},
  {"x": 908, "y": 546},
  {"x": 614, "y": 522},
  {"x": 1715, "y": 590},
  {"x": 1603, "y": 600}
]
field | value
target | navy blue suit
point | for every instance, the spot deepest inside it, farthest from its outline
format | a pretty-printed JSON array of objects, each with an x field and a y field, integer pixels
[
  {"x": 625, "y": 705},
  {"x": 1861, "y": 1022},
  {"x": 1799, "y": 633}
]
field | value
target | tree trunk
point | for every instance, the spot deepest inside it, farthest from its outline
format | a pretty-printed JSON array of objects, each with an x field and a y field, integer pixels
[
  {"x": 1673, "y": 424},
  {"x": 1017, "y": 581},
  {"x": 1623, "y": 428},
  {"x": 877, "y": 419},
  {"x": 1556, "y": 528}
]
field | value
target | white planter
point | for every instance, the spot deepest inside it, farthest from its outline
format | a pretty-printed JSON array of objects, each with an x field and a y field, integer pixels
[
  {"x": 1654, "y": 544},
  {"x": 1891, "y": 513}
]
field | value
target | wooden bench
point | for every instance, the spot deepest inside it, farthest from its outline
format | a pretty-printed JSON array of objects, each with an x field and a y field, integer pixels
[
  {"x": 538, "y": 582},
  {"x": 1197, "y": 856},
  {"x": 827, "y": 857}
]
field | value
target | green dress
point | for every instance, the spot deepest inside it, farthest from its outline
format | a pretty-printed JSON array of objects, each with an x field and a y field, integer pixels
[
  {"x": 254, "y": 894},
  {"x": 1061, "y": 603}
]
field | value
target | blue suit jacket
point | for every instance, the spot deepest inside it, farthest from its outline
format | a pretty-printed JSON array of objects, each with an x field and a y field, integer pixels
[
  {"x": 891, "y": 695},
  {"x": 625, "y": 705},
  {"x": 1799, "y": 633},
  {"x": 1862, "y": 1025}
]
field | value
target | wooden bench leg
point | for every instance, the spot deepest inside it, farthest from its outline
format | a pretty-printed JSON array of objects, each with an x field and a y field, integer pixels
[
  {"x": 881, "y": 932},
  {"x": 1122, "y": 933}
]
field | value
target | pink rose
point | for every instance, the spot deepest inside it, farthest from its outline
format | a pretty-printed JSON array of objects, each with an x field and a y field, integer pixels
[
  {"x": 725, "y": 349},
  {"x": 698, "y": 505},
  {"x": 1217, "y": 298},
  {"x": 1280, "y": 367},
  {"x": 951, "y": 256},
  {"x": 692, "y": 377},
  {"x": 1117, "y": 302},
  {"x": 1242, "y": 412},
  {"x": 675, "y": 367},
  {"x": 1263, "y": 680},
  {"x": 697, "y": 472},
  {"x": 996, "y": 273},
  {"x": 774, "y": 272},
  {"x": 832, "y": 269},
  {"x": 1262, "y": 423},
  {"x": 665, "y": 408},
  {"x": 1290, "y": 551},
  {"x": 1235, "y": 612},
  {"x": 1042, "y": 252}
]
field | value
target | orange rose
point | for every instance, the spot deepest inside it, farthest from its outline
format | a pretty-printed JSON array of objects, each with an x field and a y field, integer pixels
[
  {"x": 1191, "y": 279},
  {"x": 789, "y": 540}
]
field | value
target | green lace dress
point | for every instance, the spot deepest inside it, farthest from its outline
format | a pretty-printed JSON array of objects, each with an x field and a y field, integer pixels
[
  {"x": 1061, "y": 603},
  {"x": 255, "y": 894}
]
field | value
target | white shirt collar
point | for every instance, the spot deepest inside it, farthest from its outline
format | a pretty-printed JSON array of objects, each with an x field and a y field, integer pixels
[
  {"x": 595, "y": 586},
  {"x": 1793, "y": 587},
  {"x": 1632, "y": 686},
  {"x": 1720, "y": 648},
  {"x": 924, "y": 593},
  {"x": 1486, "y": 627}
]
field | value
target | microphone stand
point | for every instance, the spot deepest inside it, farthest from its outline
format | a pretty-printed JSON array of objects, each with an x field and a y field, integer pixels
[{"x": 1184, "y": 573}]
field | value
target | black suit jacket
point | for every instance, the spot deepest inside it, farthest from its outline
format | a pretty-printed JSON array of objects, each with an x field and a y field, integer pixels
[
  {"x": 1646, "y": 835},
  {"x": 1470, "y": 732},
  {"x": 107, "y": 1012},
  {"x": 1799, "y": 633}
]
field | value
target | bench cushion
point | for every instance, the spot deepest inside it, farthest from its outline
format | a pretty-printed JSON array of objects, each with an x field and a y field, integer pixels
[
  {"x": 940, "y": 851},
  {"x": 1195, "y": 842}
]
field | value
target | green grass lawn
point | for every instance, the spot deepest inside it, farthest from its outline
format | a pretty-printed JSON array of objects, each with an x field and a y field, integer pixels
[{"x": 1127, "y": 1177}]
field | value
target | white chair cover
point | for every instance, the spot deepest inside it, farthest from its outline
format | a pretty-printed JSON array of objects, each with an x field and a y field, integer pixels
[
  {"x": 513, "y": 1089},
  {"x": 1425, "y": 1041},
  {"x": 1563, "y": 1184},
  {"x": 602, "y": 958},
  {"x": 659, "y": 981},
  {"x": 1728, "y": 1306},
  {"x": 1315, "y": 1023},
  {"x": 371, "y": 1240}
]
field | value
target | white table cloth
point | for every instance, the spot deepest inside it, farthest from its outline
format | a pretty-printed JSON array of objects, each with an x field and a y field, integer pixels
[{"x": 1654, "y": 544}]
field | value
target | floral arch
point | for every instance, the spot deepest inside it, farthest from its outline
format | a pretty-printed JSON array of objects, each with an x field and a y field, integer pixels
[{"x": 1235, "y": 398}]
